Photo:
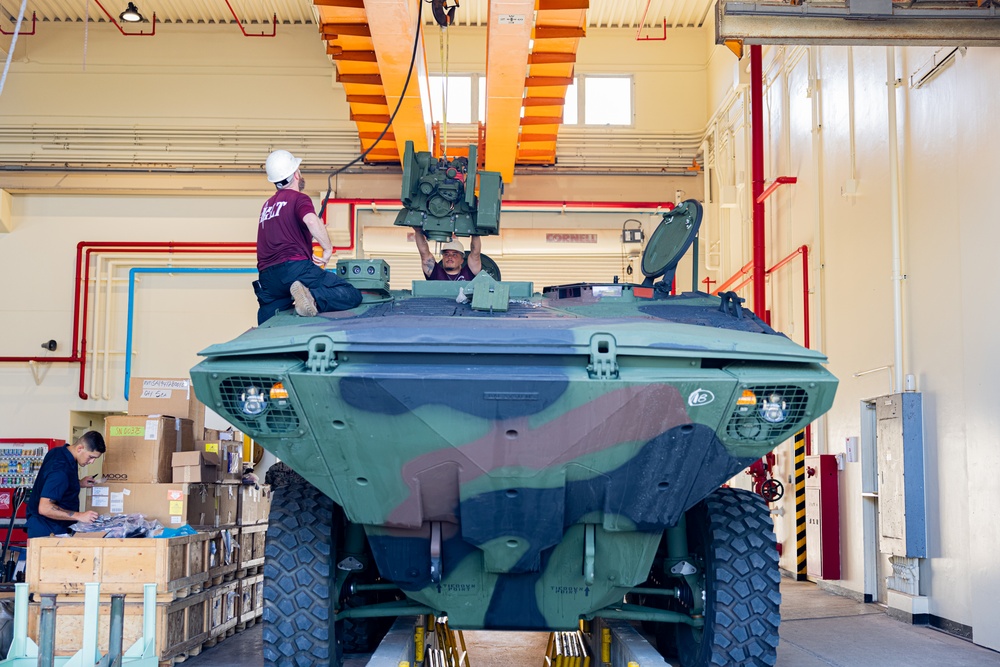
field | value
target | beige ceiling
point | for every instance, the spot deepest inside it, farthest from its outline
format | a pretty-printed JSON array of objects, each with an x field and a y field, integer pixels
[{"x": 602, "y": 13}]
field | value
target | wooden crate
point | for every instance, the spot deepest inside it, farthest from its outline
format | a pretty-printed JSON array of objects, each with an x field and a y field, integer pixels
[
  {"x": 181, "y": 625},
  {"x": 62, "y": 565},
  {"x": 223, "y": 609},
  {"x": 251, "y": 553},
  {"x": 251, "y": 599},
  {"x": 222, "y": 563}
]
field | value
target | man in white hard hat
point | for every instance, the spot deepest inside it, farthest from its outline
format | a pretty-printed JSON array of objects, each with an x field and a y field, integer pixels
[
  {"x": 289, "y": 273},
  {"x": 454, "y": 265}
]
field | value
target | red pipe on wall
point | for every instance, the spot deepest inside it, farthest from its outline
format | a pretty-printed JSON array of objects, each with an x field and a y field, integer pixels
[
  {"x": 757, "y": 179},
  {"x": 141, "y": 248}
]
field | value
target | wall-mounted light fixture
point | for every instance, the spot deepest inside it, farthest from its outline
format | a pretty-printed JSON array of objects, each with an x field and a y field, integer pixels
[{"x": 131, "y": 14}]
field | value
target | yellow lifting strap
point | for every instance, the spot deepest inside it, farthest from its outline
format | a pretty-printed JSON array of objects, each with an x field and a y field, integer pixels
[{"x": 444, "y": 46}]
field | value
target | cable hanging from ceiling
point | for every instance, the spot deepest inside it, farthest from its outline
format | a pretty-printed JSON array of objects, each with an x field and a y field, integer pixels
[{"x": 388, "y": 125}]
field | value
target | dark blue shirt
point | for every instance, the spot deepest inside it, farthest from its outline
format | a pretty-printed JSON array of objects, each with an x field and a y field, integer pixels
[{"x": 59, "y": 481}]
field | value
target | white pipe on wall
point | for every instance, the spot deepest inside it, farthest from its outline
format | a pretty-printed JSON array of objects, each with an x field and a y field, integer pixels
[
  {"x": 106, "y": 276},
  {"x": 894, "y": 187},
  {"x": 819, "y": 433}
]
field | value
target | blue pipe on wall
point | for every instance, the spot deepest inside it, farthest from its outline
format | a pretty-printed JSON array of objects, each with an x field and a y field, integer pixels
[{"x": 131, "y": 302}]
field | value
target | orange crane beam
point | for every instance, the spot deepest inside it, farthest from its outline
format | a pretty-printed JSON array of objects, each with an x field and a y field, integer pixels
[{"x": 507, "y": 47}]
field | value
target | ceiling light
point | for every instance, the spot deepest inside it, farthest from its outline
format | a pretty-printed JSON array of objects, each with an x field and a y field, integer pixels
[{"x": 131, "y": 14}]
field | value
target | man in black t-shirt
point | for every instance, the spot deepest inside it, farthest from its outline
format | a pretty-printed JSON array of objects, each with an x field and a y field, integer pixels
[{"x": 54, "y": 503}]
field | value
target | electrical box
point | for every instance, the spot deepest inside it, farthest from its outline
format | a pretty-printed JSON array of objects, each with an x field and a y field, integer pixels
[
  {"x": 899, "y": 441},
  {"x": 822, "y": 517}
]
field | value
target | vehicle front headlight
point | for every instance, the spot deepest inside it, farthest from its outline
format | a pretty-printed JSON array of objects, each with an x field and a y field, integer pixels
[
  {"x": 252, "y": 401},
  {"x": 773, "y": 409}
]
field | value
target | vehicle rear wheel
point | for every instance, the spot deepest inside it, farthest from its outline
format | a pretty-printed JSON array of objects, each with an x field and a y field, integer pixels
[
  {"x": 731, "y": 532},
  {"x": 298, "y": 611}
]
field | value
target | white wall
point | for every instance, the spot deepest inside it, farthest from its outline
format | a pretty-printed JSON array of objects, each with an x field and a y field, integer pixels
[
  {"x": 948, "y": 237},
  {"x": 175, "y": 316}
]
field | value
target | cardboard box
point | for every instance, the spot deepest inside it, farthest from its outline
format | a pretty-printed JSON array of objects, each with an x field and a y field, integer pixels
[
  {"x": 140, "y": 448},
  {"x": 173, "y": 397},
  {"x": 228, "y": 499},
  {"x": 230, "y": 454},
  {"x": 255, "y": 504},
  {"x": 195, "y": 467},
  {"x": 173, "y": 505}
]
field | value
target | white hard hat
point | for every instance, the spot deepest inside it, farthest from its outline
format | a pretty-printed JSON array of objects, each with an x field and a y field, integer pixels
[
  {"x": 455, "y": 245},
  {"x": 281, "y": 166}
]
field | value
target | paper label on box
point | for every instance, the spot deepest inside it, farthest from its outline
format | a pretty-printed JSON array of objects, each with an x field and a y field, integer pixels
[
  {"x": 183, "y": 385},
  {"x": 127, "y": 431},
  {"x": 155, "y": 393},
  {"x": 176, "y": 507},
  {"x": 175, "y": 519},
  {"x": 126, "y": 492},
  {"x": 101, "y": 491},
  {"x": 117, "y": 503},
  {"x": 152, "y": 428},
  {"x": 99, "y": 501},
  {"x": 212, "y": 447},
  {"x": 174, "y": 494}
]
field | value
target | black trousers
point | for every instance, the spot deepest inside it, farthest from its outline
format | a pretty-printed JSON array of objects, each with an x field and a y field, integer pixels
[{"x": 330, "y": 290}]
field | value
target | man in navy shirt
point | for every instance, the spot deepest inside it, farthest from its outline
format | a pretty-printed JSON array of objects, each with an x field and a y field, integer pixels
[
  {"x": 290, "y": 275},
  {"x": 454, "y": 265},
  {"x": 54, "y": 503}
]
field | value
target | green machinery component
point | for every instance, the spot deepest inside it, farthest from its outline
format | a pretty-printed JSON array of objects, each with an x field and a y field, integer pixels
[{"x": 439, "y": 196}]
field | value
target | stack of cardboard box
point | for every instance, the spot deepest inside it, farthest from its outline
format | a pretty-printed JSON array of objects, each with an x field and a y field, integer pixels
[{"x": 163, "y": 463}]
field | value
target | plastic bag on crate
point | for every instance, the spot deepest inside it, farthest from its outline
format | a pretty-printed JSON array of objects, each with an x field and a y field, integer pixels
[{"x": 120, "y": 525}]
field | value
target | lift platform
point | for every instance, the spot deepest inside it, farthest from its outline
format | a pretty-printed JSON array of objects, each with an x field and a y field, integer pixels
[{"x": 608, "y": 643}]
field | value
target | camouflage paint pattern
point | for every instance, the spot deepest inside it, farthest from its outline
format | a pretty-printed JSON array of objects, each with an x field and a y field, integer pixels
[{"x": 501, "y": 428}]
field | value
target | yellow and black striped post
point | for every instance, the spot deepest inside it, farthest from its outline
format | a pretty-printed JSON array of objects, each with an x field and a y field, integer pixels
[{"x": 800, "y": 506}]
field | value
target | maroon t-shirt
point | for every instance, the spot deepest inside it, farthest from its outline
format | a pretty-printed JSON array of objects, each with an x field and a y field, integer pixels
[
  {"x": 438, "y": 273},
  {"x": 282, "y": 236}
]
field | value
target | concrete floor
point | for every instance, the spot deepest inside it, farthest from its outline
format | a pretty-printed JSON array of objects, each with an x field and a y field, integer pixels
[{"x": 818, "y": 629}]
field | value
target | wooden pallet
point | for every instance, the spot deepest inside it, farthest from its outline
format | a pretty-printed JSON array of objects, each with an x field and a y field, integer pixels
[
  {"x": 181, "y": 625},
  {"x": 62, "y": 565},
  {"x": 251, "y": 552},
  {"x": 223, "y": 610},
  {"x": 222, "y": 568},
  {"x": 251, "y": 590}
]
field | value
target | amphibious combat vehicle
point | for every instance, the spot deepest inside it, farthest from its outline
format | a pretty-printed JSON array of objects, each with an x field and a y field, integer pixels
[{"x": 519, "y": 460}]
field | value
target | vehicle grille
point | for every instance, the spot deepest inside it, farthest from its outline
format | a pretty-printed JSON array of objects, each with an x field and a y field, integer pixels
[
  {"x": 278, "y": 417},
  {"x": 747, "y": 423}
]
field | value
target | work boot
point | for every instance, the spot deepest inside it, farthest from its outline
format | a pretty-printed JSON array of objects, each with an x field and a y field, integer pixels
[{"x": 305, "y": 304}]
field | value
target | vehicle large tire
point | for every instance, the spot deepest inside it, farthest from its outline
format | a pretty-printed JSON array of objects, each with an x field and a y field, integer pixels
[
  {"x": 298, "y": 611},
  {"x": 731, "y": 532}
]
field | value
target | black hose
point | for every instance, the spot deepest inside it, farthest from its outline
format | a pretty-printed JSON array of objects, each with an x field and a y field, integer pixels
[{"x": 402, "y": 95}]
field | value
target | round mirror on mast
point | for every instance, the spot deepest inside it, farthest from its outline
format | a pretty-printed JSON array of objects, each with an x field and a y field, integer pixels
[{"x": 670, "y": 240}]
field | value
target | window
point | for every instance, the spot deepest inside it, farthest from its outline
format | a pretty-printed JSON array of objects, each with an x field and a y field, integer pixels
[
  {"x": 590, "y": 100},
  {"x": 607, "y": 100},
  {"x": 460, "y": 102}
]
